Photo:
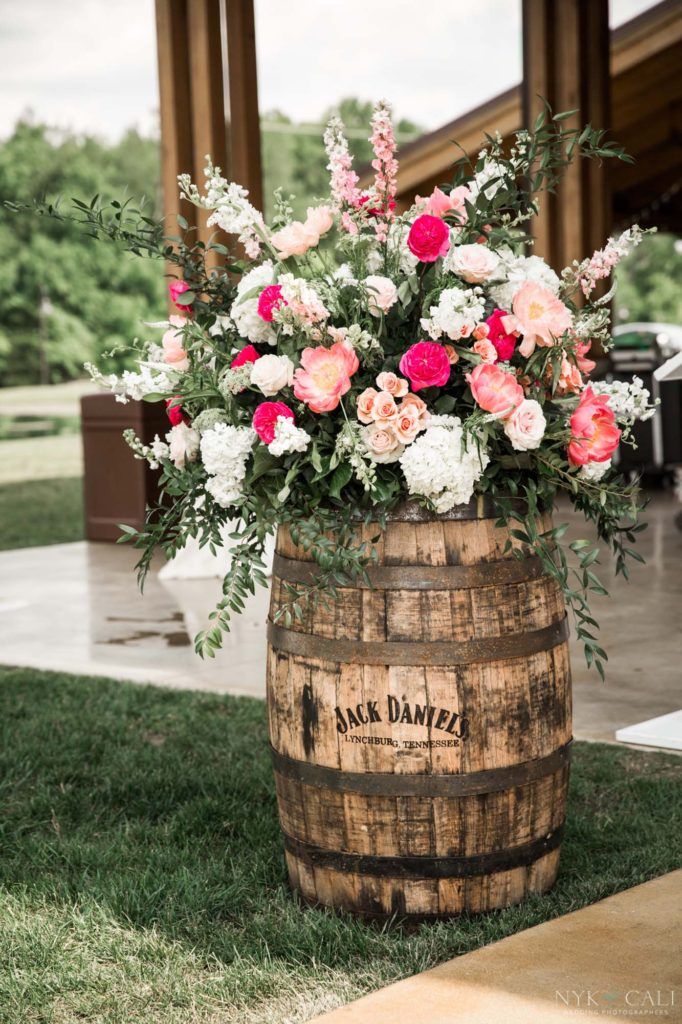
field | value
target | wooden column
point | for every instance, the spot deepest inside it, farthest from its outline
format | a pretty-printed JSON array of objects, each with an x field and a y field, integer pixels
[
  {"x": 208, "y": 97},
  {"x": 566, "y": 62}
]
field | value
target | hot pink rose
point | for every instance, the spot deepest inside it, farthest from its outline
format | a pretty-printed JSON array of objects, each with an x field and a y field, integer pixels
[
  {"x": 538, "y": 315},
  {"x": 395, "y": 385},
  {"x": 265, "y": 419},
  {"x": 594, "y": 434},
  {"x": 247, "y": 355},
  {"x": 426, "y": 365},
  {"x": 429, "y": 238},
  {"x": 172, "y": 342},
  {"x": 324, "y": 375},
  {"x": 177, "y": 288},
  {"x": 269, "y": 300},
  {"x": 494, "y": 390},
  {"x": 504, "y": 342}
]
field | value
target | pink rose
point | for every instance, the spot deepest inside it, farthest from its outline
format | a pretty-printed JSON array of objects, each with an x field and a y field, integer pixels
[
  {"x": 177, "y": 288},
  {"x": 384, "y": 408},
  {"x": 395, "y": 385},
  {"x": 425, "y": 365},
  {"x": 247, "y": 355},
  {"x": 594, "y": 434},
  {"x": 486, "y": 350},
  {"x": 429, "y": 238},
  {"x": 538, "y": 315},
  {"x": 504, "y": 342},
  {"x": 473, "y": 263},
  {"x": 494, "y": 390},
  {"x": 525, "y": 427},
  {"x": 265, "y": 419},
  {"x": 172, "y": 342},
  {"x": 382, "y": 443},
  {"x": 408, "y": 423},
  {"x": 324, "y": 375},
  {"x": 269, "y": 300},
  {"x": 365, "y": 406}
]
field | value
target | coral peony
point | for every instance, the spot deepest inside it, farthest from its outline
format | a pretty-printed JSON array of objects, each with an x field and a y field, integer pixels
[
  {"x": 504, "y": 342},
  {"x": 425, "y": 365},
  {"x": 247, "y": 355},
  {"x": 538, "y": 315},
  {"x": 494, "y": 390},
  {"x": 429, "y": 238},
  {"x": 269, "y": 300},
  {"x": 265, "y": 419},
  {"x": 594, "y": 434},
  {"x": 324, "y": 375}
]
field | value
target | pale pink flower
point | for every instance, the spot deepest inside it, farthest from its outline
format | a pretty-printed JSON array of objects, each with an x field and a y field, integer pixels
[
  {"x": 382, "y": 443},
  {"x": 396, "y": 386},
  {"x": 494, "y": 390},
  {"x": 408, "y": 423},
  {"x": 324, "y": 375},
  {"x": 486, "y": 350},
  {"x": 570, "y": 378},
  {"x": 344, "y": 180},
  {"x": 439, "y": 203},
  {"x": 384, "y": 408},
  {"x": 382, "y": 294},
  {"x": 173, "y": 344},
  {"x": 418, "y": 403},
  {"x": 473, "y": 263},
  {"x": 294, "y": 240},
  {"x": 319, "y": 220},
  {"x": 525, "y": 426},
  {"x": 538, "y": 315},
  {"x": 183, "y": 442},
  {"x": 385, "y": 169},
  {"x": 365, "y": 407}
]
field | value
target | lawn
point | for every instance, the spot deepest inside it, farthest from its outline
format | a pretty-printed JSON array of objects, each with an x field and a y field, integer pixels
[
  {"x": 34, "y": 512},
  {"x": 142, "y": 879}
]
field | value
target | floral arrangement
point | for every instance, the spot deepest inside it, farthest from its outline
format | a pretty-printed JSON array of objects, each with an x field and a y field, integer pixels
[{"x": 364, "y": 356}]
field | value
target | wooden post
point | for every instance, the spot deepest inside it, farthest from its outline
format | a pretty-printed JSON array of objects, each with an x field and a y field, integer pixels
[
  {"x": 566, "y": 62},
  {"x": 208, "y": 98}
]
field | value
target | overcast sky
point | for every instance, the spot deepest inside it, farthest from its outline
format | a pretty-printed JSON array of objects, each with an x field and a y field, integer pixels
[{"x": 90, "y": 65}]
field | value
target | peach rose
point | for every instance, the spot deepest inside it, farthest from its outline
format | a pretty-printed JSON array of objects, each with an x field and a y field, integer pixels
[
  {"x": 172, "y": 342},
  {"x": 494, "y": 390},
  {"x": 480, "y": 331},
  {"x": 324, "y": 375},
  {"x": 365, "y": 407},
  {"x": 418, "y": 403},
  {"x": 594, "y": 434},
  {"x": 382, "y": 443},
  {"x": 384, "y": 408},
  {"x": 473, "y": 263},
  {"x": 486, "y": 350},
  {"x": 381, "y": 294},
  {"x": 525, "y": 427},
  {"x": 408, "y": 423},
  {"x": 452, "y": 355},
  {"x": 538, "y": 315},
  {"x": 396, "y": 386}
]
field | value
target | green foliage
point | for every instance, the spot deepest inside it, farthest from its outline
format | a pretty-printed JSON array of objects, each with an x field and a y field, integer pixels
[
  {"x": 37, "y": 512},
  {"x": 84, "y": 314},
  {"x": 648, "y": 282}
]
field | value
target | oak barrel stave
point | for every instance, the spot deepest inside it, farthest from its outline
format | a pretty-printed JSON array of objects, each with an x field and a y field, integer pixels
[{"x": 442, "y": 844}]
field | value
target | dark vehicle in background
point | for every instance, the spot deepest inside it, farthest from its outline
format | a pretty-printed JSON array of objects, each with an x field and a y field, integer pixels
[{"x": 639, "y": 348}]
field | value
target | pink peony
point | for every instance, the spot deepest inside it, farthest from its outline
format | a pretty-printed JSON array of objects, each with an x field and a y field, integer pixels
[
  {"x": 294, "y": 240},
  {"x": 395, "y": 385},
  {"x": 177, "y": 288},
  {"x": 439, "y": 203},
  {"x": 269, "y": 300},
  {"x": 538, "y": 315},
  {"x": 172, "y": 342},
  {"x": 594, "y": 434},
  {"x": 504, "y": 342},
  {"x": 324, "y": 375},
  {"x": 426, "y": 365},
  {"x": 319, "y": 220},
  {"x": 265, "y": 419},
  {"x": 429, "y": 238},
  {"x": 247, "y": 355},
  {"x": 494, "y": 390}
]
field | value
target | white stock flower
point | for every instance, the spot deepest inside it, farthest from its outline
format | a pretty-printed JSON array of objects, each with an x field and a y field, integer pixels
[
  {"x": 183, "y": 444},
  {"x": 272, "y": 373},
  {"x": 381, "y": 294},
  {"x": 492, "y": 171},
  {"x": 440, "y": 466},
  {"x": 457, "y": 313},
  {"x": 244, "y": 311},
  {"x": 224, "y": 452},
  {"x": 594, "y": 471},
  {"x": 288, "y": 437},
  {"x": 629, "y": 400}
]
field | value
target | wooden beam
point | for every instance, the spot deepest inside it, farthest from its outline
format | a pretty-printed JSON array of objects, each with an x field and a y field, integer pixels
[
  {"x": 566, "y": 62},
  {"x": 175, "y": 107},
  {"x": 243, "y": 124}
]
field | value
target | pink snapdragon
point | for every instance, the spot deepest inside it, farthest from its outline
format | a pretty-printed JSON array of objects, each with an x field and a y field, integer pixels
[
  {"x": 385, "y": 169},
  {"x": 603, "y": 262},
  {"x": 344, "y": 181}
]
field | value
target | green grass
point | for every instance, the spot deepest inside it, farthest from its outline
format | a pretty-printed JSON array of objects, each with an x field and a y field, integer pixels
[
  {"x": 142, "y": 878},
  {"x": 37, "y": 512}
]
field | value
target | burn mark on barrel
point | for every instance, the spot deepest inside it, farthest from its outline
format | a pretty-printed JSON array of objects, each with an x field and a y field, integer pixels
[{"x": 309, "y": 718}]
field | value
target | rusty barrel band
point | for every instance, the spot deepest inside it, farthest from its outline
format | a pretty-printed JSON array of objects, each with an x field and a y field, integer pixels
[
  {"x": 419, "y": 652},
  {"x": 394, "y": 784},
  {"x": 480, "y": 507},
  {"x": 426, "y": 867},
  {"x": 422, "y": 577}
]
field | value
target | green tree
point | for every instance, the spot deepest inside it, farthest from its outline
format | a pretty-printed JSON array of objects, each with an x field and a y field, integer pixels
[{"x": 649, "y": 282}]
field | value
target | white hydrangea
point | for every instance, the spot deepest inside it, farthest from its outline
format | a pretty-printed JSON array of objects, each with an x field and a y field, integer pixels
[
  {"x": 457, "y": 313},
  {"x": 629, "y": 400},
  {"x": 224, "y": 452},
  {"x": 514, "y": 271},
  {"x": 440, "y": 466},
  {"x": 288, "y": 437},
  {"x": 245, "y": 310}
]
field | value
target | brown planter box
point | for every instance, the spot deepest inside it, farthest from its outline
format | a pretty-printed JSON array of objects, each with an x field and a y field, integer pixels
[{"x": 116, "y": 486}]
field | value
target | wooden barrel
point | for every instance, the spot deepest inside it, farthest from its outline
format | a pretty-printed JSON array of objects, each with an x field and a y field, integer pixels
[{"x": 421, "y": 729}]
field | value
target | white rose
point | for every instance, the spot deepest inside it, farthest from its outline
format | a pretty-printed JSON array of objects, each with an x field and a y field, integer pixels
[
  {"x": 272, "y": 373},
  {"x": 525, "y": 427},
  {"x": 474, "y": 263},
  {"x": 382, "y": 294},
  {"x": 183, "y": 443}
]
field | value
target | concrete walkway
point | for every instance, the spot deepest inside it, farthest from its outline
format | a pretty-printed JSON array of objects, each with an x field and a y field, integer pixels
[
  {"x": 618, "y": 958},
  {"x": 76, "y": 608}
]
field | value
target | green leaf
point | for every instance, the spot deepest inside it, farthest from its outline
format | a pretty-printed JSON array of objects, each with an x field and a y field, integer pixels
[{"x": 339, "y": 478}]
